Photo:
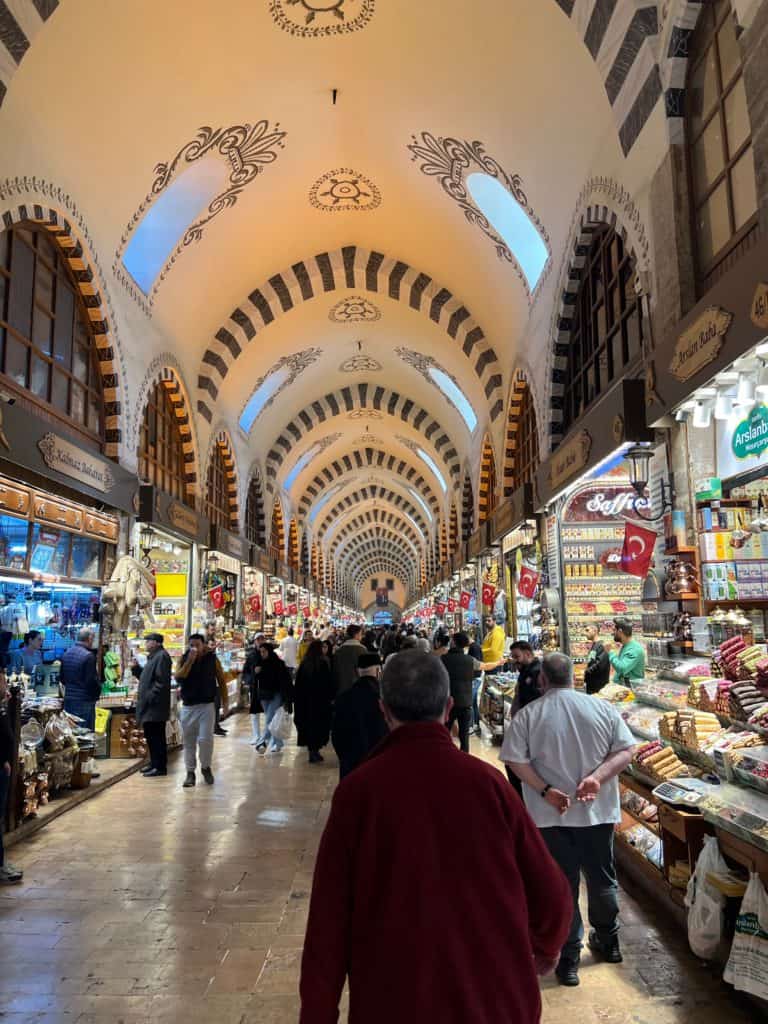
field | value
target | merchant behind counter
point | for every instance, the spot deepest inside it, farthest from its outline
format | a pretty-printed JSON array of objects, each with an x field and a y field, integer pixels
[
  {"x": 29, "y": 657},
  {"x": 628, "y": 663}
]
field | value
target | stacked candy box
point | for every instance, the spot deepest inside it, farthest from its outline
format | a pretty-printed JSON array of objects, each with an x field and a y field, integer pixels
[
  {"x": 750, "y": 766},
  {"x": 659, "y": 762},
  {"x": 744, "y": 700}
]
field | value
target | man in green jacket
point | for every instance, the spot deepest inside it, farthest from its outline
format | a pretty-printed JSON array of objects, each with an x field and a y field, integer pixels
[{"x": 629, "y": 662}]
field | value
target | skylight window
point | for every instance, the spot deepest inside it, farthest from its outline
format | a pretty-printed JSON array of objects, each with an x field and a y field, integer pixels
[
  {"x": 317, "y": 509},
  {"x": 512, "y": 223},
  {"x": 431, "y": 463},
  {"x": 261, "y": 396},
  {"x": 168, "y": 218},
  {"x": 454, "y": 395},
  {"x": 302, "y": 464},
  {"x": 421, "y": 502}
]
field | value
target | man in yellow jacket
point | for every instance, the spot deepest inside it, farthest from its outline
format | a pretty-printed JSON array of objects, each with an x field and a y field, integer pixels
[{"x": 494, "y": 640}]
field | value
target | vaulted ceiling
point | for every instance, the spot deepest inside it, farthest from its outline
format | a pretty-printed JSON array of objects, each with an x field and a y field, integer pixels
[{"x": 342, "y": 290}]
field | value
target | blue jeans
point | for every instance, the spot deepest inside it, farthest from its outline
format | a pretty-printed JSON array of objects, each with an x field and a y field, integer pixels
[
  {"x": 270, "y": 709},
  {"x": 84, "y": 709},
  {"x": 475, "y": 707},
  {"x": 589, "y": 851}
]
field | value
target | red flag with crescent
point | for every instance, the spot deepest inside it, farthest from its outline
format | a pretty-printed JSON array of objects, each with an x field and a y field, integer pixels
[
  {"x": 527, "y": 582},
  {"x": 451, "y": 605},
  {"x": 637, "y": 552},
  {"x": 216, "y": 597},
  {"x": 464, "y": 598},
  {"x": 293, "y": 609},
  {"x": 440, "y": 609},
  {"x": 489, "y": 593},
  {"x": 278, "y": 607},
  {"x": 306, "y": 611}
]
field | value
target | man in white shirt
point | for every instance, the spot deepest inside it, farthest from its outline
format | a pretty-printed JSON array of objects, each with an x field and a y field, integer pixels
[
  {"x": 568, "y": 749},
  {"x": 289, "y": 651}
]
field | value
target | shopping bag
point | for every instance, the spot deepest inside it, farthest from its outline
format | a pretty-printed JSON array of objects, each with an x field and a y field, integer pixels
[
  {"x": 706, "y": 903},
  {"x": 747, "y": 967},
  {"x": 281, "y": 724}
]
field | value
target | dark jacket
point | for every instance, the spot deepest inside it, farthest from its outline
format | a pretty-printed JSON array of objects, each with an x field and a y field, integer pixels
[
  {"x": 598, "y": 668},
  {"x": 199, "y": 683},
  {"x": 250, "y": 678},
  {"x": 358, "y": 724},
  {"x": 527, "y": 685},
  {"x": 7, "y": 743},
  {"x": 461, "y": 671},
  {"x": 273, "y": 679},
  {"x": 408, "y": 821},
  {"x": 476, "y": 652},
  {"x": 345, "y": 660},
  {"x": 153, "y": 703},
  {"x": 313, "y": 696},
  {"x": 78, "y": 674}
]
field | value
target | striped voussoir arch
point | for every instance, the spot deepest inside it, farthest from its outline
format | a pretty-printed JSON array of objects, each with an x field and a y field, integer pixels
[
  {"x": 304, "y": 565},
  {"x": 350, "y": 269},
  {"x": 277, "y": 531},
  {"x": 173, "y": 388},
  {"x": 487, "y": 483},
  {"x": 362, "y": 459},
  {"x": 453, "y": 532},
  {"x": 348, "y": 400},
  {"x": 223, "y": 442},
  {"x": 379, "y": 536},
  {"x": 622, "y": 37},
  {"x": 72, "y": 249},
  {"x": 255, "y": 516},
  {"x": 362, "y": 547},
  {"x": 593, "y": 219},
  {"x": 375, "y": 517},
  {"x": 675, "y": 66},
  {"x": 372, "y": 492},
  {"x": 20, "y": 21},
  {"x": 520, "y": 406},
  {"x": 374, "y": 561},
  {"x": 376, "y": 568},
  {"x": 293, "y": 545},
  {"x": 467, "y": 508}
]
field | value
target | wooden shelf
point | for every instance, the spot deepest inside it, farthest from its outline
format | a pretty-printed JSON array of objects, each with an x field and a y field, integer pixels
[
  {"x": 652, "y": 826},
  {"x": 682, "y": 549}
]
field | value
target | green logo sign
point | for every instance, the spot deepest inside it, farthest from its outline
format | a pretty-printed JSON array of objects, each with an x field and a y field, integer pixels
[{"x": 750, "y": 438}]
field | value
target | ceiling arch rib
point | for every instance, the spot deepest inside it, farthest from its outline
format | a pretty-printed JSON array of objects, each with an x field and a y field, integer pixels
[
  {"x": 388, "y": 521},
  {"x": 368, "y": 562},
  {"x": 373, "y": 458},
  {"x": 378, "y": 538},
  {"x": 376, "y": 567},
  {"x": 373, "y": 548},
  {"x": 355, "y": 398},
  {"x": 371, "y": 492},
  {"x": 350, "y": 268}
]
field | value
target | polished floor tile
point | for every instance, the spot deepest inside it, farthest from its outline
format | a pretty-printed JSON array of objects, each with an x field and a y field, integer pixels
[{"x": 153, "y": 904}]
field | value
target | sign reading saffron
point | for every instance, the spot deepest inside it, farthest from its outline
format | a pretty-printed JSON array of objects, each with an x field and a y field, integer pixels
[
  {"x": 750, "y": 438},
  {"x": 701, "y": 343}
]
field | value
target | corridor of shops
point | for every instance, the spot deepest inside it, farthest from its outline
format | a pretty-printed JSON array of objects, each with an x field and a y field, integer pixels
[{"x": 150, "y": 905}]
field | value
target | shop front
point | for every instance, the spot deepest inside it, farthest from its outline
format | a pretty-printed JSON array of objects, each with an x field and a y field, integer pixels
[
  {"x": 514, "y": 531},
  {"x": 255, "y": 589},
  {"x": 57, "y": 551}
]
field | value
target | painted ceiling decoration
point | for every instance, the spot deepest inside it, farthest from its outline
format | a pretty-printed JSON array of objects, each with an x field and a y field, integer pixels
[
  {"x": 349, "y": 267},
  {"x": 354, "y": 310},
  {"x": 453, "y": 162},
  {"x": 313, "y": 19},
  {"x": 377, "y": 517},
  {"x": 20, "y": 21},
  {"x": 311, "y": 453},
  {"x": 361, "y": 396},
  {"x": 360, "y": 363},
  {"x": 343, "y": 190},
  {"x": 375, "y": 538},
  {"x": 365, "y": 414},
  {"x": 279, "y": 376},
  {"x": 445, "y": 382},
  {"x": 245, "y": 149}
]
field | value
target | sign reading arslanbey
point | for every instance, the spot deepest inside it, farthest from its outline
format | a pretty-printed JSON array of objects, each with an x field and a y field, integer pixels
[
  {"x": 750, "y": 438},
  {"x": 700, "y": 343},
  {"x": 65, "y": 457}
]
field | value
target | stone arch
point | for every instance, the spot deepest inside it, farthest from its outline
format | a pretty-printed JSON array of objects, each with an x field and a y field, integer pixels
[
  {"x": 443, "y": 542},
  {"x": 682, "y": 18},
  {"x": 522, "y": 404},
  {"x": 348, "y": 269},
  {"x": 86, "y": 273},
  {"x": 257, "y": 514},
  {"x": 293, "y": 545},
  {"x": 354, "y": 399},
  {"x": 603, "y": 203},
  {"x": 378, "y": 519},
  {"x": 467, "y": 507},
  {"x": 372, "y": 492},
  {"x": 221, "y": 440},
  {"x": 277, "y": 531},
  {"x": 22, "y": 21},
  {"x": 487, "y": 482},
  {"x": 381, "y": 537},
  {"x": 166, "y": 370},
  {"x": 362, "y": 459},
  {"x": 357, "y": 546}
]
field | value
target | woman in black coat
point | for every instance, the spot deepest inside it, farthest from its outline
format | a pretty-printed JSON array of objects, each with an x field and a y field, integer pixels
[
  {"x": 271, "y": 691},
  {"x": 313, "y": 701}
]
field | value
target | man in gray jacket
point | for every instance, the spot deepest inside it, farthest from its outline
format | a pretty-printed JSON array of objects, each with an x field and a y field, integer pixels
[
  {"x": 153, "y": 703},
  {"x": 345, "y": 660}
]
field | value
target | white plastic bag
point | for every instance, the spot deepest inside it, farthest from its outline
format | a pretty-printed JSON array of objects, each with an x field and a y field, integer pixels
[
  {"x": 747, "y": 967},
  {"x": 706, "y": 903},
  {"x": 281, "y": 725}
]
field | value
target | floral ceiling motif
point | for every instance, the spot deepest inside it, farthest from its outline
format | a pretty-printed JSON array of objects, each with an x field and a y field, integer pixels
[
  {"x": 308, "y": 19},
  {"x": 360, "y": 363},
  {"x": 365, "y": 414},
  {"x": 354, "y": 310},
  {"x": 451, "y": 161},
  {"x": 342, "y": 190}
]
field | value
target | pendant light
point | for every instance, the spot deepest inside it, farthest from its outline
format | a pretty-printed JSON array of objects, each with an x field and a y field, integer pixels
[{"x": 723, "y": 406}]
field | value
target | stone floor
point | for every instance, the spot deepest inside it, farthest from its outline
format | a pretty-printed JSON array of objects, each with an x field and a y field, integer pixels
[{"x": 153, "y": 904}]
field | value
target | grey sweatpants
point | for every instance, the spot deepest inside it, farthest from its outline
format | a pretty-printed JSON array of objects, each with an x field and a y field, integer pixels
[{"x": 197, "y": 724}]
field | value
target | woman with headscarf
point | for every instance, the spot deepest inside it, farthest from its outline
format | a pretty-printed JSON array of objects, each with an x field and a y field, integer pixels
[
  {"x": 314, "y": 700},
  {"x": 273, "y": 689}
]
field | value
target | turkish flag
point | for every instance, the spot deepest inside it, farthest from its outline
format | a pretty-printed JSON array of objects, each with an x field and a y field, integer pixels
[
  {"x": 527, "y": 582},
  {"x": 637, "y": 552},
  {"x": 440, "y": 610},
  {"x": 316, "y": 612},
  {"x": 293, "y": 609},
  {"x": 489, "y": 593},
  {"x": 464, "y": 598},
  {"x": 451, "y": 605},
  {"x": 306, "y": 611},
  {"x": 255, "y": 604},
  {"x": 216, "y": 597},
  {"x": 278, "y": 607}
]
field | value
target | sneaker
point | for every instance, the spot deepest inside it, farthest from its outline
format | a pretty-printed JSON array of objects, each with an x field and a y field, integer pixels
[
  {"x": 610, "y": 952},
  {"x": 220, "y": 732},
  {"x": 10, "y": 876},
  {"x": 189, "y": 781},
  {"x": 261, "y": 748},
  {"x": 208, "y": 776},
  {"x": 567, "y": 972},
  {"x": 146, "y": 769}
]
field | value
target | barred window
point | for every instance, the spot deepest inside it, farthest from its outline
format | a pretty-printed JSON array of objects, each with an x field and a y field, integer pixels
[
  {"x": 254, "y": 515},
  {"x": 217, "y": 500},
  {"x": 161, "y": 451}
]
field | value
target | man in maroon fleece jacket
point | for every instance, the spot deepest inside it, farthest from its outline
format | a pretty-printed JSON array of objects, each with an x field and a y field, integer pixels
[{"x": 433, "y": 891}]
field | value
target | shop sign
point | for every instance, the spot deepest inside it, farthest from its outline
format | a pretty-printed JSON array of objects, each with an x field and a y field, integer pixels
[
  {"x": 14, "y": 499},
  {"x": 750, "y": 438},
  {"x": 57, "y": 513},
  {"x": 183, "y": 519},
  {"x": 700, "y": 343},
  {"x": 478, "y": 541},
  {"x": 569, "y": 459},
  {"x": 593, "y": 504},
  {"x": 102, "y": 527},
  {"x": 262, "y": 560},
  {"x": 760, "y": 307},
  {"x": 64, "y": 457}
]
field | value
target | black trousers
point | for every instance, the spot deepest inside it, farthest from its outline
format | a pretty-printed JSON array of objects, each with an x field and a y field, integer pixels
[
  {"x": 158, "y": 745},
  {"x": 464, "y": 717}
]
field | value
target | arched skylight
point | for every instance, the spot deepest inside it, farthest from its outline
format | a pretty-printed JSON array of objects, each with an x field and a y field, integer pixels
[
  {"x": 512, "y": 223},
  {"x": 422, "y": 503},
  {"x": 302, "y": 463},
  {"x": 454, "y": 395},
  {"x": 168, "y": 218},
  {"x": 261, "y": 396},
  {"x": 316, "y": 509},
  {"x": 429, "y": 461}
]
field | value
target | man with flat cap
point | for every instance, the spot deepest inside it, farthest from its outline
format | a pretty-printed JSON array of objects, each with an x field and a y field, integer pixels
[
  {"x": 153, "y": 703},
  {"x": 358, "y": 722}
]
